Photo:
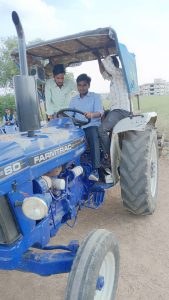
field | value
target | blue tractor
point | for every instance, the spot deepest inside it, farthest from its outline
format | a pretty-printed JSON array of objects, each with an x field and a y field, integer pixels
[{"x": 44, "y": 174}]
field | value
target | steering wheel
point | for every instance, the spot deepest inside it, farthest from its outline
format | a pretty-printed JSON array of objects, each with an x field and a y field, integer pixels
[{"x": 75, "y": 121}]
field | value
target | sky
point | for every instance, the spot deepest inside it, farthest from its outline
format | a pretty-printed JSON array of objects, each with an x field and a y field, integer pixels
[{"x": 141, "y": 25}]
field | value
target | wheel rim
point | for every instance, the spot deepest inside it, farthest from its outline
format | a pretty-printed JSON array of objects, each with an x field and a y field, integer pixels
[
  {"x": 153, "y": 167},
  {"x": 107, "y": 271}
]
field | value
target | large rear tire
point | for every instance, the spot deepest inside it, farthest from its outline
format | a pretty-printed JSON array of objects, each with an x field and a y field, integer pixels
[
  {"x": 139, "y": 171},
  {"x": 95, "y": 270}
]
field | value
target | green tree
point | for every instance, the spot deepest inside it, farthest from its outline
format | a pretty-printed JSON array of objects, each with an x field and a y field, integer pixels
[{"x": 7, "y": 67}]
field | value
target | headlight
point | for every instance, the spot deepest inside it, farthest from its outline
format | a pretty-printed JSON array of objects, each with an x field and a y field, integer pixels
[{"x": 36, "y": 207}]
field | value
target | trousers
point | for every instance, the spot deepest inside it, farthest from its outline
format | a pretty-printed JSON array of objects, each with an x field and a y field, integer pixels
[
  {"x": 92, "y": 136},
  {"x": 107, "y": 125}
]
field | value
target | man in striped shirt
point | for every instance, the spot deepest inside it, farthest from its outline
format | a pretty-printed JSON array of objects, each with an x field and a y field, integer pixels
[{"x": 120, "y": 104}]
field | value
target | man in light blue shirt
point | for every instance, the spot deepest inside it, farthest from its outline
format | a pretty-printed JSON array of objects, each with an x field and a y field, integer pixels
[
  {"x": 58, "y": 91},
  {"x": 91, "y": 105}
]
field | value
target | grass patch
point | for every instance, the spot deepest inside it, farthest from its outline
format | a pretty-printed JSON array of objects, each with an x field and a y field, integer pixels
[{"x": 160, "y": 105}]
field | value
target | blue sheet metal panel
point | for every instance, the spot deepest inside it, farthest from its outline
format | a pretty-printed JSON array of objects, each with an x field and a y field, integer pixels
[
  {"x": 129, "y": 68},
  {"x": 48, "y": 158},
  {"x": 9, "y": 150},
  {"x": 37, "y": 234},
  {"x": 46, "y": 264},
  {"x": 24, "y": 158},
  {"x": 21, "y": 149},
  {"x": 22, "y": 176},
  {"x": 13, "y": 166},
  {"x": 10, "y": 256},
  {"x": 23, "y": 190}
]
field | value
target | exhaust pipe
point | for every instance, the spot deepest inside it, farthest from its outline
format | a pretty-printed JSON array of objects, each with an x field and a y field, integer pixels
[
  {"x": 21, "y": 44},
  {"x": 27, "y": 105}
]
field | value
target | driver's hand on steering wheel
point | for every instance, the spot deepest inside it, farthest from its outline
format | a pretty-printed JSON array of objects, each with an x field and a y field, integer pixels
[{"x": 88, "y": 115}]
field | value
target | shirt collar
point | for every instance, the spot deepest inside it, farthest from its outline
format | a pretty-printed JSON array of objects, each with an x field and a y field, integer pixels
[
  {"x": 57, "y": 85},
  {"x": 87, "y": 95}
]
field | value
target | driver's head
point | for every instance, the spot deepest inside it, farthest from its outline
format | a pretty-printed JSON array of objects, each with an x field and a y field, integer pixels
[
  {"x": 83, "y": 84},
  {"x": 59, "y": 74}
]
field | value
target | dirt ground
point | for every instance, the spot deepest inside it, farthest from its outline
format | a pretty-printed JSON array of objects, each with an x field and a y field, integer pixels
[{"x": 144, "y": 251}]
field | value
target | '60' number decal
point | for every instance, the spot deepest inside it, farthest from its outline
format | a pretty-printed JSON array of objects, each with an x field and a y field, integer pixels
[{"x": 15, "y": 167}]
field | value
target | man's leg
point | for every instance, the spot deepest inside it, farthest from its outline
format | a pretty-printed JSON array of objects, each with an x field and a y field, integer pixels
[
  {"x": 107, "y": 125},
  {"x": 92, "y": 137}
]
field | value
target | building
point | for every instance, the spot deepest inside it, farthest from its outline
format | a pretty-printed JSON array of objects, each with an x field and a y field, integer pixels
[{"x": 158, "y": 88}]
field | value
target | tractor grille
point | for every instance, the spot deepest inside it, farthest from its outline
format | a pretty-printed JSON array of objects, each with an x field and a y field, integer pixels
[{"x": 8, "y": 227}]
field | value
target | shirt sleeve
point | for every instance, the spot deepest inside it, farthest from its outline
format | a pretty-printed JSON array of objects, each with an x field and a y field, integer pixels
[
  {"x": 48, "y": 99},
  {"x": 98, "y": 107},
  {"x": 106, "y": 76},
  {"x": 109, "y": 66}
]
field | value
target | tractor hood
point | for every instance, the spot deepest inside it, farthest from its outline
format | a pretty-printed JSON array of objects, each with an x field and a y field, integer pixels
[
  {"x": 24, "y": 157},
  {"x": 77, "y": 48}
]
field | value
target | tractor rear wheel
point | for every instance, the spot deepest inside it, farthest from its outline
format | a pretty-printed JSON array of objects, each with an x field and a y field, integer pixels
[
  {"x": 139, "y": 171},
  {"x": 95, "y": 270}
]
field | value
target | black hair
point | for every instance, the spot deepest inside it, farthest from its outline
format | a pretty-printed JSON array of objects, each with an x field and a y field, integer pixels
[
  {"x": 83, "y": 77},
  {"x": 115, "y": 61},
  {"x": 58, "y": 69}
]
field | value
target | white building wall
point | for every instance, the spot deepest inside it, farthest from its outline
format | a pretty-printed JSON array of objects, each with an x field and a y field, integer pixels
[{"x": 158, "y": 87}]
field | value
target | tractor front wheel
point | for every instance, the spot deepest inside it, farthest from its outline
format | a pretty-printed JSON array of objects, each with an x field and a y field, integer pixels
[{"x": 95, "y": 270}]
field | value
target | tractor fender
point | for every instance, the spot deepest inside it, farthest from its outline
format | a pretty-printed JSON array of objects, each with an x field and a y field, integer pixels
[
  {"x": 137, "y": 122},
  {"x": 115, "y": 157}
]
